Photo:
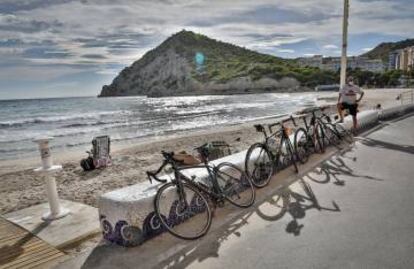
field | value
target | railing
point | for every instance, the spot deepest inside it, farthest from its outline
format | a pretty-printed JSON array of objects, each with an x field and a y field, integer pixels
[{"x": 406, "y": 97}]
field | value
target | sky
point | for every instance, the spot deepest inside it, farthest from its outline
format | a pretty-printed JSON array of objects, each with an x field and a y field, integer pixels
[{"x": 56, "y": 48}]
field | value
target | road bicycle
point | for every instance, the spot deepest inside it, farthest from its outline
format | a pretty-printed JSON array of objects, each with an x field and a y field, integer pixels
[
  {"x": 184, "y": 198},
  {"x": 264, "y": 158},
  {"x": 318, "y": 134},
  {"x": 310, "y": 138}
]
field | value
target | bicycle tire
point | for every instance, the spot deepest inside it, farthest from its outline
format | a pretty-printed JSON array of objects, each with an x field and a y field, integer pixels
[
  {"x": 291, "y": 155},
  {"x": 331, "y": 135},
  {"x": 235, "y": 185},
  {"x": 173, "y": 217},
  {"x": 259, "y": 172},
  {"x": 343, "y": 133},
  {"x": 320, "y": 138},
  {"x": 301, "y": 145}
]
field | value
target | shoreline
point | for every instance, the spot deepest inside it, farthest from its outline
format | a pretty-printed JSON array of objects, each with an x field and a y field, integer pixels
[{"x": 20, "y": 187}]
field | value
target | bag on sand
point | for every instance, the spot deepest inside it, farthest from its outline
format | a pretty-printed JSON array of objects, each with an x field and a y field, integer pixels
[
  {"x": 87, "y": 164},
  {"x": 99, "y": 156}
]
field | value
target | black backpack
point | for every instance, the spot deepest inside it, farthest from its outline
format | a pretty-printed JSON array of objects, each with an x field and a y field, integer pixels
[{"x": 87, "y": 164}]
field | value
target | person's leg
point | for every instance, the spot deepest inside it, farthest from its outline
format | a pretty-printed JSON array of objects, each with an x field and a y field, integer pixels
[
  {"x": 353, "y": 111},
  {"x": 340, "y": 113},
  {"x": 355, "y": 122}
]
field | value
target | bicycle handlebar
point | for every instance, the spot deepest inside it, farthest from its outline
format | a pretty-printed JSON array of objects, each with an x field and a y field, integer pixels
[{"x": 153, "y": 174}]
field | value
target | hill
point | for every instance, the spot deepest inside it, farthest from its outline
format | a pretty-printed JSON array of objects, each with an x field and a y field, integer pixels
[
  {"x": 382, "y": 50},
  {"x": 191, "y": 64}
]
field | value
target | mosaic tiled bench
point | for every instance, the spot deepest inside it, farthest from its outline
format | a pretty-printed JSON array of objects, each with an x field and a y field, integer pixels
[{"x": 127, "y": 214}]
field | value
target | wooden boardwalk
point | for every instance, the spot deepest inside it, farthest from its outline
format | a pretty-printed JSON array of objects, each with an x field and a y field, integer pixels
[{"x": 22, "y": 249}]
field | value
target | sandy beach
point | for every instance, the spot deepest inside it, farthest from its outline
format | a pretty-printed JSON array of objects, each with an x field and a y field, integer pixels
[{"x": 20, "y": 187}]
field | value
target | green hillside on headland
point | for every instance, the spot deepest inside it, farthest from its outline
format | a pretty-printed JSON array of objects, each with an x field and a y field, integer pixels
[
  {"x": 188, "y": 63},
  {"x": 172, "y": 69}
]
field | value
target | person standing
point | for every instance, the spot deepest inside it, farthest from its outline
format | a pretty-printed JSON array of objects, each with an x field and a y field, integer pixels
[{"x": 347, "y": 99}]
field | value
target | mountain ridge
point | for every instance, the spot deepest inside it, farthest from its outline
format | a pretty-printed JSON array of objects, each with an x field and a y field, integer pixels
[
  {"x": 382, "y": 50},
  {"x": 171, "y": 69}
]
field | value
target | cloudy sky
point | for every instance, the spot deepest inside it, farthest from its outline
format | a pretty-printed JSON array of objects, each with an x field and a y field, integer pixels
[{"x": 51, "y": 48}]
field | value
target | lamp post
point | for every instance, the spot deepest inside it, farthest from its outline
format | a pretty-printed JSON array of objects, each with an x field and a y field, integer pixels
[
  {"x": 344, "y": 43},
  {"x": 47, "y": 170}
]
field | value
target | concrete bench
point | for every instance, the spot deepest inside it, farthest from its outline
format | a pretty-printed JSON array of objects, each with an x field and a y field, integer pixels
[{"x": 127, "y": 214}]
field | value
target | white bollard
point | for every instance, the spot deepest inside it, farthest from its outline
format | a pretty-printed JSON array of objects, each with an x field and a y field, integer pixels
[{"x": 47, "y": 169}]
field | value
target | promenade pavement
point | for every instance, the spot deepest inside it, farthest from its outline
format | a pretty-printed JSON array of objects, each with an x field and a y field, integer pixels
[
  {"x": 355, "y": 210},
  {"x": 360, "y": 214}
]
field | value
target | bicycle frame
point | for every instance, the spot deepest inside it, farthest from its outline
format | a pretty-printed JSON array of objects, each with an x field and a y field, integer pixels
[
  {"x": 214, "y": 192},
  {"x": 284, "y": 141}
]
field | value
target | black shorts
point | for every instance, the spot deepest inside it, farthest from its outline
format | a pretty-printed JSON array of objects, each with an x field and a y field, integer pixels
[{"x": 353, "y": 108}]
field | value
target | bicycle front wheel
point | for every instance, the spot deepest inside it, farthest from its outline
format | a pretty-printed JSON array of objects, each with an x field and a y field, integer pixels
[
  {"x": 259, "y": 165},
  {"x": 235, "y": 185},
  {"x": 182, "y": 211}
]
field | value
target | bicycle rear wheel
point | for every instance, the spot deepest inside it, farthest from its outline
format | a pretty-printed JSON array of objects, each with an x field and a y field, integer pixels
[
  {"x": 184, "y": 213},
  {"x": 343, "y": 133},
  {"x": 235, "y": 185},
  {"x": 259, "y": 165},
  {"x": 331, "y": 135},
  {"x": 301, "y": 145},
  {"x": 320, "y": 144}
]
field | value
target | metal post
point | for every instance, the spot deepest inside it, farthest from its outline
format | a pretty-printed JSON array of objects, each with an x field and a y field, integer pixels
[
  {"x": 47, "y": 169},
  {"x": 344, "y": 43}
]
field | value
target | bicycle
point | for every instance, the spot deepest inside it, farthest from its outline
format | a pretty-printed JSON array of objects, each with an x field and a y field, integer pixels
[
  {"x": 262, "y": 159},
  {"x": 337, "y": 130},
  {"x": 309, "y": 137},
  {"x": 182, "y": 198}
]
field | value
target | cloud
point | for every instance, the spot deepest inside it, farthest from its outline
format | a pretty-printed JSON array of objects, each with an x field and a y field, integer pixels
[
  {"x": 330, "y": 47},
  {"x": 103, "y": 36},
  {"x": 286, "y": 50},
  {"x": 366, "y": 49},
  {"x": 12, "y": 23}
]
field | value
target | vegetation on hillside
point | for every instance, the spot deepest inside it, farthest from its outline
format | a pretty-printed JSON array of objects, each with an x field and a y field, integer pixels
[
  {"x": 224, "y": 61},
  {"x": 382, "y": 50},
  {"x": 190, "y": 63}
]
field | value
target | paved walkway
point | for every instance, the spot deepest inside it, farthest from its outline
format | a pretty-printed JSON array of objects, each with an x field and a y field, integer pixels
[
  {"x": 365, "y": 217},
  {"x": 353, "y": 211}
]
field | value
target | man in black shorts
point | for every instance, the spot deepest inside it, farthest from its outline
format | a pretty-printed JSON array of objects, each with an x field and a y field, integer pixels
[{"x": 347, "y": 99}]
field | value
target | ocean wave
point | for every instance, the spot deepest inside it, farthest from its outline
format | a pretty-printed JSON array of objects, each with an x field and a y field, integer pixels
[{"x": 62, "y": 118}]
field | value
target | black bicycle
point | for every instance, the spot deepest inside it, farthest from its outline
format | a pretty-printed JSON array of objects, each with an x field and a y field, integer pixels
[
  {"x": 263, "y": 159},
  {"x": 181, "y": 199},
  {"x": 334, "y": 131},
  {"x": 310, "y": 138}
]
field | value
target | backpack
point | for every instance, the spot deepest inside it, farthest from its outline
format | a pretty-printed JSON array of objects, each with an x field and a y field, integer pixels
[{"x": 87, "y": 164}]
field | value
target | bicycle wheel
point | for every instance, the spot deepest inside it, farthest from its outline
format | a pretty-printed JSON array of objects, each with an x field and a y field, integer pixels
[
  {"x": 235, "y": 185},
  {"x": 343, "y": 133},
  {"x": 301, "y": 145},
  {"x": 319, "y": 138},
  {"x": 185, "y": 214},
  {"x": 259, "y": 165},
  {"x": 331, "y": 135},
  {"x": 288, "y": 156}
]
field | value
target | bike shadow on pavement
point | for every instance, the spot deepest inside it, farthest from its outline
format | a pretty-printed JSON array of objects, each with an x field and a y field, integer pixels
[
  {"x": 285, "y": 203},
  {"x": 335, "y": 168}
]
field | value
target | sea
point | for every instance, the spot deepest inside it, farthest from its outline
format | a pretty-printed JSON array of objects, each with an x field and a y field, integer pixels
[{"x": 73, "y": 122}]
